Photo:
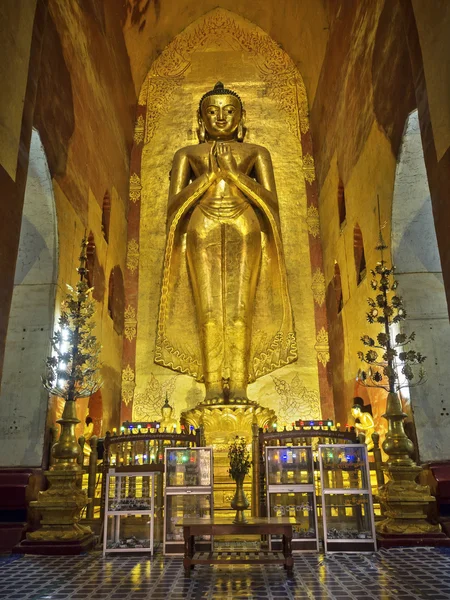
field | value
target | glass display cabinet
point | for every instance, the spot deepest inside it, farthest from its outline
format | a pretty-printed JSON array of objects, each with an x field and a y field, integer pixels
[
  {"x": 129, "y": 511},
  {"x": 347, "y": 507},
  {"x": 188, "y": 494},
  {"x": 291, "y": 493}
]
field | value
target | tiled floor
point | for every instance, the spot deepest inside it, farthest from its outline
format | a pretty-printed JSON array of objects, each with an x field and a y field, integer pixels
[{"x": 418, "y": 573}]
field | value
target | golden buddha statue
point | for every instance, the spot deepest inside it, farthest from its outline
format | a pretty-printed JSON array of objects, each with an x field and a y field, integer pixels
[
  {"x": 364, "y": 422},
  {"x": 168, "y": 423},
  {"x": 223, "y": 233}
]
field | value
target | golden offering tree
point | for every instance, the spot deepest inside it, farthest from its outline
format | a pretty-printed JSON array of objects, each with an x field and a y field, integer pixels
[
  {"x": 391, "y": 364},
  {"x": 73, "y": 371}
]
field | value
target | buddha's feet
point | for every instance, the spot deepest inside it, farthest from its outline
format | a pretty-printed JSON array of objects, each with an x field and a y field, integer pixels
[
  {"x": 238, "y": 395},
  {"x": 214, "y": 395}
]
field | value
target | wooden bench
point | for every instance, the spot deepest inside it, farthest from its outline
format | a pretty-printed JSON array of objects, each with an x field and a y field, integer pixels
[{"x": 221, "y": 526}]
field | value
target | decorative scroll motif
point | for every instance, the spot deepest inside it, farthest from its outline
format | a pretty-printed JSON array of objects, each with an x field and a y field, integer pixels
[
  {"x": 283, "y": 81},
  {"x": 132, "y": 256},
  {"x": 135, "y": 188},
  {"x": 139, "y": 130},
  {"x": 318, "y": 287},
  {"x": 128, "y": 385},
  {"x": 322, "y": 348},
  {"x": 281, "y": 351},
  {"x": 309, "y": 170},
  {"x": 296, "y": 401},
  {"x": 142, "y": 101},
  {"x": 147, "y": 404},
  {"x": 312, "y": 221},
  {"x": 130, "y": 323}
]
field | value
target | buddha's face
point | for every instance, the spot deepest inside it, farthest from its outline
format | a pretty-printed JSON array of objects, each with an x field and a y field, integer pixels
[
  {"x": 166, "y": 412},
  {"x": 356, "y": 412},
  {"x": 221, "y": 115}
]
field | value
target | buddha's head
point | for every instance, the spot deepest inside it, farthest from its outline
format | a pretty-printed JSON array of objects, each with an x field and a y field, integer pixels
[
  {"x": 221, "y": 115},
  {"x": 166, "y": 410},
  {"x": 357, "y": 408}
]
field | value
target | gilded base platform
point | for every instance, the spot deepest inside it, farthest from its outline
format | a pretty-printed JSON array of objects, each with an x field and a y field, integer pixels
[
  {"x": 423, "y": 539},
  {"x": 221, "y": 423},
  {"x": 405, "y": 504},
  {"x": 73, "y": 547}
]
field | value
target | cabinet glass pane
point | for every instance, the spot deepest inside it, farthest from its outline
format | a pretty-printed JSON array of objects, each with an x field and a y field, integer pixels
[
  {"x": 129, "y": 493},
  {"x": 299, "y": 506},
  {"x": 344, "y": 468},
  {"x": 289, "y": 466},
  {"x": 128, "y": 532},
  {"x": 348, "y": 516},
  {"x": 188, "y": 467},
  {"x": 185, "y": 506}
]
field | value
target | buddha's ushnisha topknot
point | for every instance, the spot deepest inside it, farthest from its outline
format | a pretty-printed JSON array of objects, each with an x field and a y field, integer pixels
[{"x": 219, "y": 90}]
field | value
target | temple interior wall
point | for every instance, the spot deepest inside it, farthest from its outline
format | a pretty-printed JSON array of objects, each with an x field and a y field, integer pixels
[{"x": 365, "y": 64}]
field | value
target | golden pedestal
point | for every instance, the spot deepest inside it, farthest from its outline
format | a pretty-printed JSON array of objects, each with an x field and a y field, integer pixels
[
  {"x": 405, "y": 503},
  {"x": 221, "y": 423},
  {"x": 61, "y": 506}
]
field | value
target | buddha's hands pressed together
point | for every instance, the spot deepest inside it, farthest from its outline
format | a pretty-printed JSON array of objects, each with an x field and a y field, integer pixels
[
  {"x": 213, "y": 167},
  {"x": 226, "y": 160}
]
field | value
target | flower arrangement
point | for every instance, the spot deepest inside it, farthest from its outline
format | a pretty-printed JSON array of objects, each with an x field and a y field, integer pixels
[{"x": 239, "y": 458}]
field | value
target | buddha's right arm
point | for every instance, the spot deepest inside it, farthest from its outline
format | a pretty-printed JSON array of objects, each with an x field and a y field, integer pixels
[{"x": 183, "y": 194}]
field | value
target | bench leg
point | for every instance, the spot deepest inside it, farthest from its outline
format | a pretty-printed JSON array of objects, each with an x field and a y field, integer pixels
[
  {"x": 188, "y": 552},
  {"x": 287, "y": 552}
]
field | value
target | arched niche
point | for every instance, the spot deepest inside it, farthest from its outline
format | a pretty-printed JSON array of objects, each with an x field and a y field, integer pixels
[
  {"x": 223, "y": 46},
  {"x": 23, "y": 400},
  {"x": 418, "y": 269}
]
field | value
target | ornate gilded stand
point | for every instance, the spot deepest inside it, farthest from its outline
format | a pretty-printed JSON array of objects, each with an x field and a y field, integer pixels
[
  {"x": 61, "y": 504},
  {"x": 405, "y": 503},
  {"x": 221, "y": 423}
]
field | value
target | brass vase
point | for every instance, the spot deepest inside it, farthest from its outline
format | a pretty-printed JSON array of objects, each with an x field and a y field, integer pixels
[{"x": 240, "y": 502}]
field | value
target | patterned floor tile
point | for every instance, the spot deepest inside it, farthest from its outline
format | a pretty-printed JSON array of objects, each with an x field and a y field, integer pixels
[{"x": 387, "y": 575}]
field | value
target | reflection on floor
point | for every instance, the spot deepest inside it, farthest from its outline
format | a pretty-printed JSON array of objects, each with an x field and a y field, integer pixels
[{"x": 405, "y": 573}]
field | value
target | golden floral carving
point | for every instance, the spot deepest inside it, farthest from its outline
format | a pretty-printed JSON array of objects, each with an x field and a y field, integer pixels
[
  {"x": 135, "y": 188},
  {"x": 139, "y": 130},
  {"x": 147, "y": 404},
  {"x": 296, "y": 401},
  {"x": 318, "y": 287},
  {"x": 322, "y": 347},
  {"x": 312, "y": 221},
  {"x": 132, "y": 255},
  {"x": 283, "y": 81},
  {"x": 128, "y": 385},
  {"x": 130, "y": 323},
  {"x": 309, "y": 170}
]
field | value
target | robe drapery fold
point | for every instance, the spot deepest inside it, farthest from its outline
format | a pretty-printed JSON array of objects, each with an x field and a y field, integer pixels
[{"x": 273, "y": 341}]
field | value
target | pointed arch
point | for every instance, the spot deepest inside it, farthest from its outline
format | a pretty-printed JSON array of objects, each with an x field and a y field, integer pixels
[
  {"x": 419, "y": 272},
  {"x": 268, "y": 79},
  {"x": 23, "y": 400}
]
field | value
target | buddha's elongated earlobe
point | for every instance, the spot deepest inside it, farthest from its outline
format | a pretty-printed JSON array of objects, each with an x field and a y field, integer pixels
[
  {"x": 201, "y": 131},
  {"x": 240, "y": 134}
]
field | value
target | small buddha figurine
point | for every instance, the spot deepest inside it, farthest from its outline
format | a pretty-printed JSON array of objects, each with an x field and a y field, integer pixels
[
  {"x": 363, "y": 420},
  {"x": 168, "y": 423},
  {"x": 224, "y": 234}
]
